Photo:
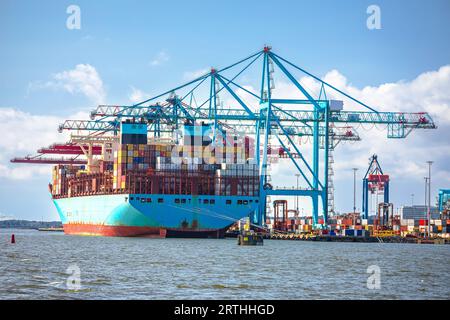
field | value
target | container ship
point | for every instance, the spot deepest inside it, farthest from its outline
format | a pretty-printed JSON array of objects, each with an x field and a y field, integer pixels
[{"x": 133, "y": 185}]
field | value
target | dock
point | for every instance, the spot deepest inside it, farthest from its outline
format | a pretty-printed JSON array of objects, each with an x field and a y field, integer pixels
[
  {"x": 51, "y": 229},
  {"x": 328, "y": 238}
]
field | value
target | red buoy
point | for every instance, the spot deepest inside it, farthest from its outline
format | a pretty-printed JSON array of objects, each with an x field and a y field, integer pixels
[{"x": 13, "y": 238}]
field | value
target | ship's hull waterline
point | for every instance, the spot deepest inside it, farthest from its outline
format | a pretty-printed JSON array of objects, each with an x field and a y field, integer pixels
[{"x": 155, "y": 215}]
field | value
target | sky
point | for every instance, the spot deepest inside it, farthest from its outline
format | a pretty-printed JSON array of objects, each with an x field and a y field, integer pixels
[{"x": 125, "y": 51}]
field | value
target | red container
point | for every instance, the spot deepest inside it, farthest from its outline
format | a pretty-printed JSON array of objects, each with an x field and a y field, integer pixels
[
  {"x": 321, "y": 221},
  {"x": 423, "y": 222},
  {"x": 378, "y": 178},
  {"x": 347, "y": 222}
]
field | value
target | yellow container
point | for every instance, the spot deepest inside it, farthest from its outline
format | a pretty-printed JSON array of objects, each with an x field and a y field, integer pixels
[
  {"x": 185, "y": 149},
  {"x": 136, "y": 153}
]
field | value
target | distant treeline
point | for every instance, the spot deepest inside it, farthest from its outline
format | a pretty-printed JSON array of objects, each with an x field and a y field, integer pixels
[{"x": 26, "y": 224}]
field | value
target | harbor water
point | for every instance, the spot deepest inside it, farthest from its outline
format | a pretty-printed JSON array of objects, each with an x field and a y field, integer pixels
[{"x": 43, "y": 265}]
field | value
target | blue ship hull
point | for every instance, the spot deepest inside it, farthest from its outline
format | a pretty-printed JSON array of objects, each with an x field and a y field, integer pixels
[{"x": 153, "y": 215}]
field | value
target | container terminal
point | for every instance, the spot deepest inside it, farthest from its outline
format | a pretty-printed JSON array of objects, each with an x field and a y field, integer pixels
[{"x": 195, "y": 160}]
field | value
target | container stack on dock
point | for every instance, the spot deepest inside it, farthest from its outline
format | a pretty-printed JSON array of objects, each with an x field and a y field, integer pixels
[
  {"x": 420, "y": 226},
  {"x": 352, "y": 225}
]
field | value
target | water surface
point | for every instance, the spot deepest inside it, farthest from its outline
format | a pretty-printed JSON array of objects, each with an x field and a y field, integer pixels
[{"x": 137, "y": 268}]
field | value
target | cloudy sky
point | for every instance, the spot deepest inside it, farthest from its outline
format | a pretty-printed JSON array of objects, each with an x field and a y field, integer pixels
[{"x": 126, "y": 51}]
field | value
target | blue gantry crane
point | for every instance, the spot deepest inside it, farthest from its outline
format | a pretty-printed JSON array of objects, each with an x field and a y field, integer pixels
[
  {"x": 264, "y": 114},
  {"x": 444, "y": 202},
  {"x": 374, "y": 181}
]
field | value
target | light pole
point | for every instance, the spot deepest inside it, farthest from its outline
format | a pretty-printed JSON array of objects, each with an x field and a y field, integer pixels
[
  {"x": 296, "y": 197},
  {"x": 429, "y": 195},
  {"x": 425, "y": 196},
  {"x": 412, "y": 200},
  {"x": 354, "y": 189}
]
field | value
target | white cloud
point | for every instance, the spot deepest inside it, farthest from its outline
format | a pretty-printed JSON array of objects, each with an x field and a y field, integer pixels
[
  {"x": 160, "y": 58},
  {"x": 137, "y": 95},
  {"x": 22, "y": 134},
  {"x": 191, "y": 75},
  {"x": 83, "y": 79}
]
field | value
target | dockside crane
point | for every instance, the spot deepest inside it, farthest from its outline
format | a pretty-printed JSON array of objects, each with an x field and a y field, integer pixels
[{"x": 374, "y": 181}]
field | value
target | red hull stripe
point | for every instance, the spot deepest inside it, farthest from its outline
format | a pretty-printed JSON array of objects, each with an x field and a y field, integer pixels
[
  {"x": 112, "y": 231},
  {"x": 129, "y": 231}
]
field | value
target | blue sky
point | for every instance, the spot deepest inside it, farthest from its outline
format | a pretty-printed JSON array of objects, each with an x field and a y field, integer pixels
[{"x": 151, "y": 46}]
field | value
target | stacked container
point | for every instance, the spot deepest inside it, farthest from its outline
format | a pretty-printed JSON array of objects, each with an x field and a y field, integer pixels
[
  {"x": 237, "y": 179},
  {"x": 60, "y": 175},
  {"x": 136, "y": 157}
]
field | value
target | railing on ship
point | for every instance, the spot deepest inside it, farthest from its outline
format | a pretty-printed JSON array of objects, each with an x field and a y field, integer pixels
[{"x": 181, "y": 182}]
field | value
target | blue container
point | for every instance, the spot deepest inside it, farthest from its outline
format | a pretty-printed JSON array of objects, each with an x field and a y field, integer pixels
[
  {"x": 350, "y": 232},
  {"x": 332, "y": 233},
  {"x": 134, "y": 128},
  {"x": 359, "y": 233}
]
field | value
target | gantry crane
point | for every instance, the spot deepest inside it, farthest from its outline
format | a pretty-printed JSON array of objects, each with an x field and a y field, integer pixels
[
  {"x": 374, "y": 181},
  {"x": 444, "y": 203},
  {"x": 262, "y": 114}
]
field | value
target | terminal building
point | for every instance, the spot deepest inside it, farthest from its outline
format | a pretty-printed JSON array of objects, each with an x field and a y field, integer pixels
[{"x": 418, "y": 212}]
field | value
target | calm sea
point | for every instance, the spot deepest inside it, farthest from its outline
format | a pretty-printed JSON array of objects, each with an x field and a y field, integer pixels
[{"x": 49, "y": 265}]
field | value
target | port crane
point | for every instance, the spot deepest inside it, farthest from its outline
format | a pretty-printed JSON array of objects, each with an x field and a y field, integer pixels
[
  {"x": 267, "y": 116},
  {"x": 374, "y": 182}
]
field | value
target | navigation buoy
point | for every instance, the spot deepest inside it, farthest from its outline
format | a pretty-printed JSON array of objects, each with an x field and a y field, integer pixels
[{"x": 13, "y": 238}]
